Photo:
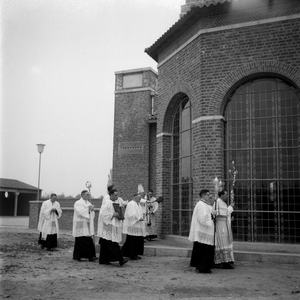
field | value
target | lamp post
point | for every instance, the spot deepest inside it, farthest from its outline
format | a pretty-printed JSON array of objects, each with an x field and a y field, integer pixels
[{"x": 40, "y": 150}]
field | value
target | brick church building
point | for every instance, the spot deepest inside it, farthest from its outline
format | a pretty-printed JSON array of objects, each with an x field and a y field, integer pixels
[{"x": 227, "y": 89}]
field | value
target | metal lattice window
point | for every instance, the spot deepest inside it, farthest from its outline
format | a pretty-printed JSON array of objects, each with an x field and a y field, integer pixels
[
  {"x": 262, "y": 136},
  {"x": 181, "y": 170}
]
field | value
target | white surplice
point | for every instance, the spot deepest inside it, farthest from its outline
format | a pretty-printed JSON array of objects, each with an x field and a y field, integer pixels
[
  {"x": 109, "y": 227},
  {"x": 83, "y": 220},
  {"x": 48, "y": 221},
  {"x": 132, "y": 224},
  {"x": 224, "y": 240},
  {"x": 202, "y": 226}
]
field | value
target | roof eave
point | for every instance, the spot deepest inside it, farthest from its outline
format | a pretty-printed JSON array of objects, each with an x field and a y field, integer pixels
[
  {"x": 195, "y": 13},
  {"x": 173, "y": 33}
]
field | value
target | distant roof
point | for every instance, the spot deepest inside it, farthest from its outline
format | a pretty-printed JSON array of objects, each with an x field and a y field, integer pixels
[{"x": 15, "y": 184}]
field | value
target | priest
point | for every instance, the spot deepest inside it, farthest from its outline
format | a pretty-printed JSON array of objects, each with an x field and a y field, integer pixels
[
  {"x": 134, "y": 228},
  {"x": 110, "y": 224},
  {"x": 202, "y": 234},
  {"x": 83, "y": 228},
  {"x": 48, "y": 223},
  {"x": 152, "y": 206},
  {"x": 224, "y": 242}
]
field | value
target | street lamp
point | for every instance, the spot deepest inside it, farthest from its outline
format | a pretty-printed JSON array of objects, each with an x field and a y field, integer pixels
[{"x": 40, "y": 150}]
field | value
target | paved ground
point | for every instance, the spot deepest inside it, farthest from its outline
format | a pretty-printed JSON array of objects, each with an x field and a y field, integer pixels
[
  {"x": 29, "y": 273},
  {"x": 14, "y": 222}
]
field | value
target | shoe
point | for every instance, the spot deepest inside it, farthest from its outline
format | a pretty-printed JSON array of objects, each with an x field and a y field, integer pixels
[
  {"x": 93, "y": 259},
  {"x": 218, "y": 266},
  {"x": 104, "y": 263},
  {"x": 228, "y": 266},
  {"x": 124, "y": 261},
  {"x": 134, "y": 258}
]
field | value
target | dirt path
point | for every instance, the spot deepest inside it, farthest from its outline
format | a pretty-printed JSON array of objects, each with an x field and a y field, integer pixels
[{"x": 29, "y": 273}]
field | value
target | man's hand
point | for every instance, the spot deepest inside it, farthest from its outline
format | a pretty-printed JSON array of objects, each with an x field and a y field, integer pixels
[{"x": 213, "y": 212}]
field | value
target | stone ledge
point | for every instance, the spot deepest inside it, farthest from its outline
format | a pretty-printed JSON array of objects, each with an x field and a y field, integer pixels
[{"x": 282, "y": 258}]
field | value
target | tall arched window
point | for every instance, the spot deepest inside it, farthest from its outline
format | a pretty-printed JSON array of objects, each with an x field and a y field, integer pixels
[
  {"x": 181, "y": 169},
  {"x": 262, "y": 137}
]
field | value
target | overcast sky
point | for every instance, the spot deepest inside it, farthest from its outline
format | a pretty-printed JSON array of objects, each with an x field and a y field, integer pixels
[{"x": 58, "y": 60}]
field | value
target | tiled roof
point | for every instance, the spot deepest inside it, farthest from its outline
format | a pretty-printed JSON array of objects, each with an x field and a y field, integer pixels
[
  {"x": 202, "y": 3},
  {"x": 192, "y": 12},
  {"x": 173, "y": 32},
  {"x": 188, "y": 17},
  {"x": 15, "y": 184}
]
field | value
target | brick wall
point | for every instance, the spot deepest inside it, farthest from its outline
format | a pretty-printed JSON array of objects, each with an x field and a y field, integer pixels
[
  {"x": 228, "y": 14},
  {"x": 70, "y": 202},
  {"x": 163, "y": 169},
  {"x": 132, "y": 109},
  {"x": 65, "y": 221},
  {"x": 67, "y": 207},
  {"x": 221, "y": 48},
  {"x": 208, "y": 60},
  {"x": 208, "y": 70},
  {"x": 34, "y": 211},
  {"x": 208, "y": 159}
]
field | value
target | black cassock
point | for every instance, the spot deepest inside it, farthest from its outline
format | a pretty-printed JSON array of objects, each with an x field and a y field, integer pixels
[
  {"x": 109, "y": 251},
  {"x": 133, "y": 246},
  {"x": 50, "y": 242},
  {"x": 84, "y": 248},
  {"x": 202, "y": 257}
]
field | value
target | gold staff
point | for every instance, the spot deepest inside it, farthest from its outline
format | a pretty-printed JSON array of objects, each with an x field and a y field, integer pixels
[
  {"x": 88, "y": 184},
  {"x": 232, "y": 172}
]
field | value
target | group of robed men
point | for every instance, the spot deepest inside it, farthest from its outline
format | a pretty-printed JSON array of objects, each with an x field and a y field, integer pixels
[
  {"x": 210, "y": 229},
  {"x": 137, "y": 221}
]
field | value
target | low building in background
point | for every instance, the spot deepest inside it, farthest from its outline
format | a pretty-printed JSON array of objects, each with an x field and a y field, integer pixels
[{"x": 15, "y": 196}]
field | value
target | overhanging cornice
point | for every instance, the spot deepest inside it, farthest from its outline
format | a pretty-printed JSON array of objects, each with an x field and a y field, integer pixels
[{"x": 203, "y": 8}]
